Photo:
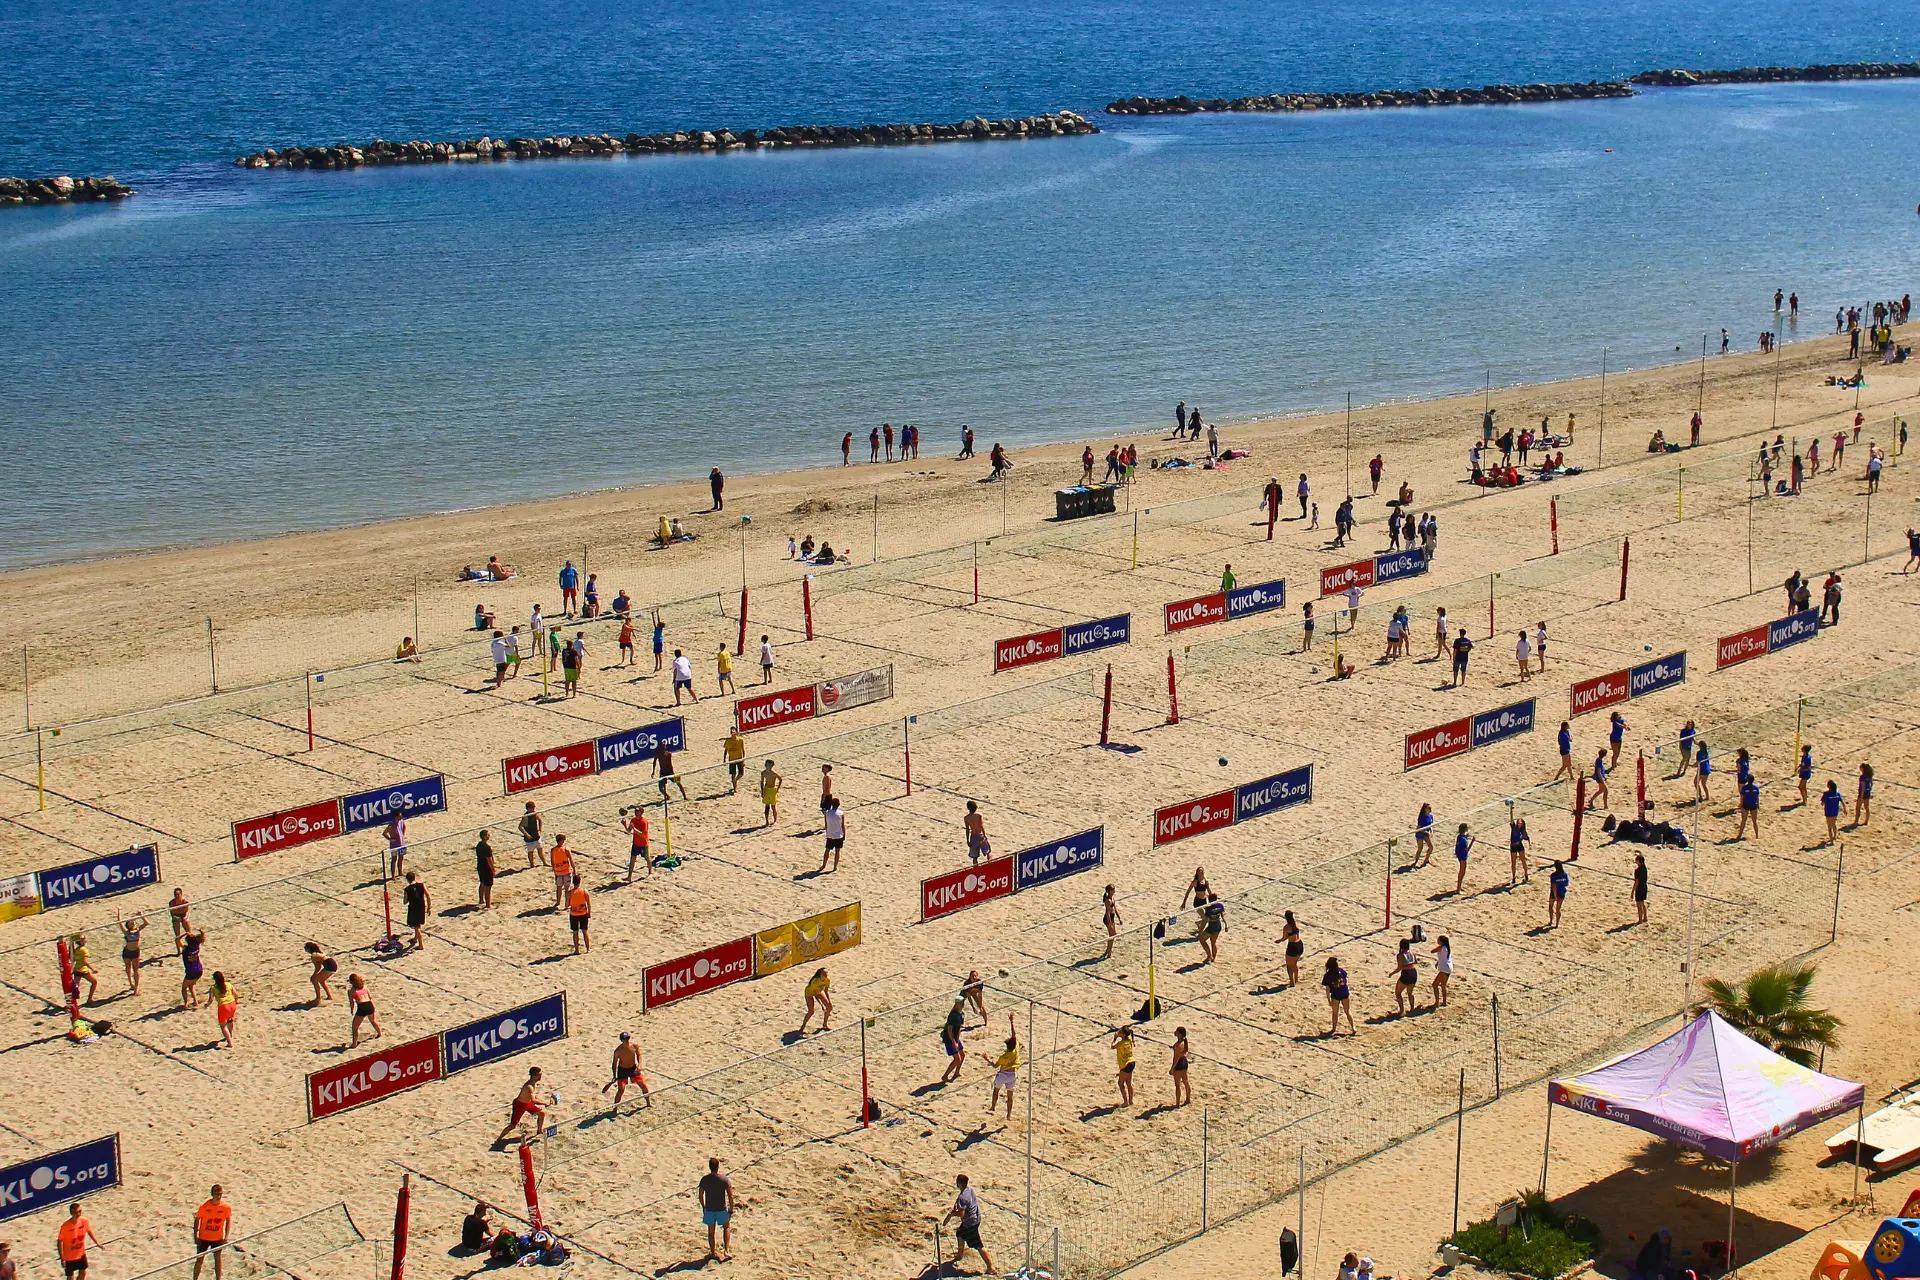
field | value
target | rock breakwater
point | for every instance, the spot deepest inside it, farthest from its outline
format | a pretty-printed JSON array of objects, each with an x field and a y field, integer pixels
[
  {"x": 1675, "y": 79},
  {"x": 683, "y": 142},
  {"x": 60, "y": 190},
  {"x": 1488, "y": 95}
]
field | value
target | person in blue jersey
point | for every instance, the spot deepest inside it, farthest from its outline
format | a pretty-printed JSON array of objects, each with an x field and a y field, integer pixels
[
  {"x": 1557, "y": 882},
  {"x": 1702, "y": 775},
  {"x": 1804, "y": 771},
  {"x": 1423, "y": 838},
  {"x": 1830, "y": 803},
  {"x": 1462, "y": 847},
  {"x": 1565, "y": 741}
]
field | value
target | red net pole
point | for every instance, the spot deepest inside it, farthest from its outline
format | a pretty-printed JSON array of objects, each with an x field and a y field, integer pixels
[
  {"x": 530, "y": 1187},
  {"x": 1553, "y": 522},
  {"x": 806, "y": 602},
  {"x": 1106, "y": 706},
  {"x": 1579, "y": 814},
  {"x": 400, "y": 1213},
  {"x": 1626, "y": 545},
  {"x": 906, "y": 750},
  {"x": 69, "y": 985},
  {"x": 740, "y": 645},
  {"x": 1173, "y": 693},
  {"x": 1641, "y": 787}
]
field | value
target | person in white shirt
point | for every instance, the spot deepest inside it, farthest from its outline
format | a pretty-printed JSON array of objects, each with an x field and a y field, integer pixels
[
  {"x": 1440, "y": 641},
  {"x": 537, "y": 626},
  {"x": 766, "y": 660},
  {"x": 682, "y": 677},
  {"x": 499, "y": 646},
  {"x": 1523, "y": 654},
  {"x": 1540, "y": 643},
  {"x": 836, "y": 830}
]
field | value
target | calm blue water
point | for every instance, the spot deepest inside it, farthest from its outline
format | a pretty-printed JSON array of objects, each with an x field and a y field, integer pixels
[{"x": 233, "y": 353}]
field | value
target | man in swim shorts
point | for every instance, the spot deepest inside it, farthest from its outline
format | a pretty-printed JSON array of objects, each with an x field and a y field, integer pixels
[
  {"x": 525, "y": 1103},
  {"x": 627, "y": 1070}
]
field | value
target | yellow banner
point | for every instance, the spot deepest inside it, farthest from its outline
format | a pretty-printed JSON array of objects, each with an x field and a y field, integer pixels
[
  {"x": 784, "y": 946},
  {"x": 19, "y": 896}
]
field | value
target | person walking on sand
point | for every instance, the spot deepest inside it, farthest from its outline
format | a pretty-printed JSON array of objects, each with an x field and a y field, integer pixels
[
  {"x": 419, "y": 903},
  {"x": 1423, "y": 838},
  {"x": 1406, "y": 976},
  {"x": 1109, "y": 920},
  {"x": 360, "y": 1001},
  {"x": 499, "y": 649},
  {"x": 733, "y": 749},
  {"x": 484, "y": 871},
  {"x": 834, "y": 827},
  {"x": 846, "y": 449},
  {"x": 1830, "y": 803},
  {"x": 226, "y": 1006},
  {"x": 1006, "y": 1070},
  {"x": 950, "y": 1040},
  {"x": 770, "y": 784},
  {"x": 73, "y": 1236},
  {"x": 1598, "y": 800},
  {"x": 1334, "y": 979},
  {"x": 1462, "y": 848},
  {"x": 324, "y": 967},
  {"x": 1182, "y": 1055},
  {"x": 212, "y": 1223},
  {"x": 530, "y": 826},
  {"x": 1442, "y": 970},
  {"x": 638, "y": 849},
  {"x": 978, "y": 846},
  {"x": 1639, "y": 893},
  {"x": 723, "y": 669},
  {"x": 580, "y": 918},
  {"x": 966, "y": 1207},
  {"x": 1557, "y": 882},
  {"x": 628, "y": 1069},
  {"x": 82, "y": 962},
  {"x": 1688, "y": 732},
  {"x": 562, "y": 871},
  {"x": 766, "y": 660},
  {"x": 1564, "y": 740},
  {"x": 525, "y": 1103},
  {"x": 682, "y": 677},
  {"x": 1295, "y": 947},
  {"x": 665, "y": 772},
  {"x": 1302, "y": 491},
  {"x": 569, "y": 590},
  {"x": 1863, "y": 796},
  {"x": 716, "y": 485},
  {"x": 819, "y": 994},
  {"x": 130, "y": 930},
  {"x": 1702, "y": 776}
]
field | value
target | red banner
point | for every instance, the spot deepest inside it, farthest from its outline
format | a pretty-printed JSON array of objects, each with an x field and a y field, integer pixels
[
  {"x": 544, "y": 768},
  {"x": 765, "y": 710},
  {"x": 1740, "y": 647},
  {"x": 369, "y": 1079},
  {"x": 1192, "y": 817},
  {"x": 1340, "y": 577},
  {"x": 317, "y": 821},
  {"x": 967, "y": 887},
  {"x": 700, "y": 972},
  {"x": 1600, "y": 692},
  {"x": 1443, "y": 740},
  {"x": 1041, "y": 646},
  {"x": 1197, "y": 612}
]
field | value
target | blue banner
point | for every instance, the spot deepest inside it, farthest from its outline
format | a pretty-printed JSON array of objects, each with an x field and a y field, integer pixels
[
  {"x": 632, "y": 746},
  {"x": 100, "y": 877},
  {"x": 1658, "y": 674},
  {"x": 1502, "y": 722},
  {"x": 1101, "y": 633},
  {"x": 1251, "y": 799},
  {"x": 371, "y": 809},
  {"x": 52, "y": 1181},
  {"x": 1792, "y": 629},
  {"x": 504, "y": 1034},
  {"x": 1257, "y": 598},
  {"x": 1045, "y": 863},
  {"x": 1399, "y": 564}
]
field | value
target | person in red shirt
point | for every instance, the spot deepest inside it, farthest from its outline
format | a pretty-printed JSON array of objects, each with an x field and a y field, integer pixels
[
  {"x": 846, "y": 449},
  {"x": 74, "y": 1234},
  {"x": 210, "y": 1223}
]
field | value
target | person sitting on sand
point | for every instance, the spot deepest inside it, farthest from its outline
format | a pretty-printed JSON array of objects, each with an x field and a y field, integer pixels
[
  {"x": 408, "y": 650},
  {"x": 496, "y": 571},
  {"x": 806, "y": 547},
  {"x": 1406, "y": 494},
  {"x": 679, "y": 533},
  {"x": 482, "y": 618},
  {"x": 1659, "y": 442},
  {"x": 622, "y": 603},
  {"x": 664, "y": 533}
]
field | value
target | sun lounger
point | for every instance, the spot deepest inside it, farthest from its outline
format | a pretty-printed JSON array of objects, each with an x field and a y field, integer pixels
[{"x": 1892, "y": 1137}]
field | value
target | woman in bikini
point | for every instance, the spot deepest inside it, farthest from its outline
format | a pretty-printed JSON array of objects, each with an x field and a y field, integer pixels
[
  {"x": 1182, "y": 1091},
  {"x": 1296, "y": 947},
  {"x": 1405, "y": 997},
  {"x": 130, "y": 931},
  {"x": 1109, "y": 919},
  {"x": 360, "y": 1000},
  {"x": 324, "y": 967}
]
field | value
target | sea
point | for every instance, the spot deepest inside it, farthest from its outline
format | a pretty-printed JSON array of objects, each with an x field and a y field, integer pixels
[{"x": 234, "y": 353}]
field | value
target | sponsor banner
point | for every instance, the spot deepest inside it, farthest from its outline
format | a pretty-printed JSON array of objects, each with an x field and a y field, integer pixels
[
  {"x": 1661, "y": 673},
  {"x": 380, "y": 1075},
  {"x": 1101, "y": 633},
  {"x": 875, "y": 684},
  {"x": 1600, "y": 692},
  {"x": 1197, "y": 612},
  {"x": 544, "y": 768},
  {"x": 631, "y": 746},
  {"x": 969, "y": 886},
  {"x": 1282, "y": 790},
  {"x": 54, "y": 1181},
  {"x": 504, "y": 1034},
  {"x": 1194, "y": 817},
  {"x": 1502, "y": 723},
  {"x": 698, "y": 973},
  {"x": 274, "y": 831},
  {"x": 1742, "y": 646},
  {"x": 1023, "y": 651},
  {"x": 1045, "y": 863},
  {"x": 100, "y": 877},
  {"x": 765, "y": 710},
  {"x": 1399, "y": 564},
  {"x": 371, "y": 809},
  {"x": 780, "y": 948},
  {"x": 1337, "y": 579},
  {"x": 1257, "y": 597},
  {"x": 19, "y": 896},
  {"x": 1792, "y": 629},
  {"x": 1439, "y": 742}
]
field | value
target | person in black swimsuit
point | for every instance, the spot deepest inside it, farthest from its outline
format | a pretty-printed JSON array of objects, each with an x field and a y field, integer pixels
[
  {"x": 130, "y": 930},
  {"x": 1406, "y": 998},
  {"x": 1296, "y": 947},
  {"x": 1640, "y": 887},
  {"x": 190, "y": 943},
  {"x": 419, "y": 902}
]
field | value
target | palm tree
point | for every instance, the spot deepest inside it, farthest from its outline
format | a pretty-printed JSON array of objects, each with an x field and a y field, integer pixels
[{"x": 1770, "y": 1008}]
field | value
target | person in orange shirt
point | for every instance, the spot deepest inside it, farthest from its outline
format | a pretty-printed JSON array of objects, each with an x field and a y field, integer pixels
[
  {"x": 74, "y": 1234},
  {"x": 579, "y": 912},
  {"x": 562, "y": 859},
  {"x": 210, "y": 1223}
]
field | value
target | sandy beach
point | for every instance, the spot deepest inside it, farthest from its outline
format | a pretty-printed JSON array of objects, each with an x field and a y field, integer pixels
[{"x": 168, "y": 740}]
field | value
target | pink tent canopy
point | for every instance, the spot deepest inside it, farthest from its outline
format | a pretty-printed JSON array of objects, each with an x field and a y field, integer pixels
[{"x": 1708, "y": 1087}]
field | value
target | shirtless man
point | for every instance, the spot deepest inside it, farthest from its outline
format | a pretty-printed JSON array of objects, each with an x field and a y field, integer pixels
[
  {"x": 976, "y": 825},
  {"x": 525, "y": 1103},
  {"x": 627, "y": 1066}
]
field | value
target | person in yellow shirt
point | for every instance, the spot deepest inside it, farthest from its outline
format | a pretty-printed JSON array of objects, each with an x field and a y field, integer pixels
[
  {"x": 819, "y": 992},
  {"x": 579, "y": 914},
  {"x": 1123, "y": 1059},
  {"x": 723, "y": 662},
  {"x": 733, "y": 748},
  {"x": 407, "y": 651},
  {"x": 1006, "y": 1070},
  {"x": 210, "y": 1223},
  {"x": 83, "y": 967},
  {"x": 226, "y": 1005},
  {"x": 562, "y": 859},
  {"x": 74, "y": 1234}
]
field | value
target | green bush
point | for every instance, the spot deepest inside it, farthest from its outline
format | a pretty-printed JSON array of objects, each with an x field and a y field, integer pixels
[{"x": 1542, "y": 1243}]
